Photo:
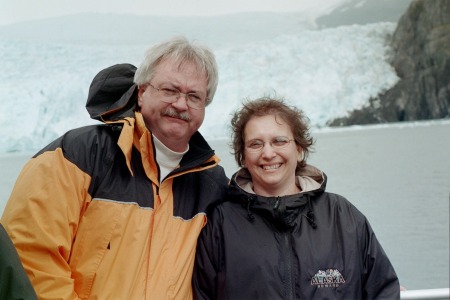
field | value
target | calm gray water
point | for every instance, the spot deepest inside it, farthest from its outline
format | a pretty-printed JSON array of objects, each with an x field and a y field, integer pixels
[{"x": 397, "y": 175}]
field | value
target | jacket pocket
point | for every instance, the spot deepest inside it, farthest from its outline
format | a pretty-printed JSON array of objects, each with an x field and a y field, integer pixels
[{"x": 92, "y": 243}]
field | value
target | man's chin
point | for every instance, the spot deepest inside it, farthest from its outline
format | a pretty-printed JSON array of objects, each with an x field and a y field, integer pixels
[{"x": 177, "y": 133}]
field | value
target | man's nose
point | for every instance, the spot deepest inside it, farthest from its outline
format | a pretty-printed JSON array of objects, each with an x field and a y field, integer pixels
[{"x": 181, "y": 102}]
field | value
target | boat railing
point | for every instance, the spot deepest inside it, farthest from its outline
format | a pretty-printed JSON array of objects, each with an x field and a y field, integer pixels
[{"x": 443, "y": 293}]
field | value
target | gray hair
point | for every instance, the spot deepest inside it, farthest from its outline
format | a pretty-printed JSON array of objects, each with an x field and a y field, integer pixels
[{"x": 181, "y": 50}]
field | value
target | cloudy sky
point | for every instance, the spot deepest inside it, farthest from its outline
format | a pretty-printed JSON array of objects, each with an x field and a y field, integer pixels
[{"x": 13, "y": 11}]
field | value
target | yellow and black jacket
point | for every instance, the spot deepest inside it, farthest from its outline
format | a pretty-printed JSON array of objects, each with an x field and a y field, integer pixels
[
  {"x": 90, "y": 218},
  {"x": 14, "y": 282}
]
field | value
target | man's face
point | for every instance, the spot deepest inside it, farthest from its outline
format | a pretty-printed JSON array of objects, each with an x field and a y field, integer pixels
[{"x": 173, "y": 123}]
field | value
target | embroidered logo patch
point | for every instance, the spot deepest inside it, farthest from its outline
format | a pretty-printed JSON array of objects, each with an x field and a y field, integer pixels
[{"x": 330, "y": 278}]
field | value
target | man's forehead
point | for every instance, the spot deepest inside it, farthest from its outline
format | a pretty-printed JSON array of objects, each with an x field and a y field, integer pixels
[{"x": 181, "y": 64}]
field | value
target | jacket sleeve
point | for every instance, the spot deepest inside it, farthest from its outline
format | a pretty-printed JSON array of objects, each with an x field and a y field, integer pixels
[
  {"x": 14, "y": 282},
  {"x": 42, "y": 216},
  {"x": 207, "y": 260},
  {"x": 380, "y": 279}
]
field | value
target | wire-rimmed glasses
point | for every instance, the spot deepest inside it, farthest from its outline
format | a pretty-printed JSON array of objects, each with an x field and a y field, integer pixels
[
  {"x": 278, "y": 142},
  {"x": 171, "y": 95}
]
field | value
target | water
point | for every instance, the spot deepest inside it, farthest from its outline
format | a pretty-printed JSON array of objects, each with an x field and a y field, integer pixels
[{"x": 398, "y": 175}]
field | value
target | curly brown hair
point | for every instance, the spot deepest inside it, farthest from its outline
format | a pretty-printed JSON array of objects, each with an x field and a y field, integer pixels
[{"x": 263, "y": 106}]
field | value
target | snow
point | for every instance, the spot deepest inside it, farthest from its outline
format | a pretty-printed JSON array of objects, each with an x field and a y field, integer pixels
[{"x": 326, "y": 72}]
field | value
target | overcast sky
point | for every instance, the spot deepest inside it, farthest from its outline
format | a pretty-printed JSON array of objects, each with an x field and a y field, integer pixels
[{"x": 13, "y": 11}]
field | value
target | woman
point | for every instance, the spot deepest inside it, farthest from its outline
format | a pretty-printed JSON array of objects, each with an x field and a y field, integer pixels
[{"x": 279, "y": 235}]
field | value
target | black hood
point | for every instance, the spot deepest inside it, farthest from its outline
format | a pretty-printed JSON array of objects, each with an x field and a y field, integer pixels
[
  {"x": 113, "y": 94},
  {"x": 283, "y": 211}
]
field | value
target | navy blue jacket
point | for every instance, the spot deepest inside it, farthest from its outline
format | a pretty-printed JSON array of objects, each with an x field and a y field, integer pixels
[{"x": 311, "y": 245}]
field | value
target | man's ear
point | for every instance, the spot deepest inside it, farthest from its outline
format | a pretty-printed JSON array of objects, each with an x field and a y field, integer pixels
[{"x": 141, "y": 91}]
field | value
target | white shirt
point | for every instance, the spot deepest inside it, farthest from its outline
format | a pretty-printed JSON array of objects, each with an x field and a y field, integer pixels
[{"x": 167, "y": 159}]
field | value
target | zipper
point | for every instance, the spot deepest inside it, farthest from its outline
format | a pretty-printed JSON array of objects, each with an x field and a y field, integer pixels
[
  {"x": 289, "y": 283},
  {"x": 289, "y": 277}
]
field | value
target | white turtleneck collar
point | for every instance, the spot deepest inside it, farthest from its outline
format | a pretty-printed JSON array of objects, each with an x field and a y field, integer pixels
[{"x": 167, "y": 159}]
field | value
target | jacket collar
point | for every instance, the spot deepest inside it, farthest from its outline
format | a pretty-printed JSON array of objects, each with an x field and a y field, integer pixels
[
  {"x": 282, "y": 211},
  {"x": 309, "y": 179},
  {"x": 135, "y": 133}
]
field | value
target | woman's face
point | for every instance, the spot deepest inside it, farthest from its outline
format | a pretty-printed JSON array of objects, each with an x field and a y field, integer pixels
[{"x": 272, "y": 168}]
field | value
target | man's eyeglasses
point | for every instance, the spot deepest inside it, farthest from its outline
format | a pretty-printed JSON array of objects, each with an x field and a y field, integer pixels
[
  {"x": 279, "y": 142},
  {"x": 171, "y": 95}
]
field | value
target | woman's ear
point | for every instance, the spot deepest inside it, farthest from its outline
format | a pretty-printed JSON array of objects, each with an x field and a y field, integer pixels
[
  {"x": 300, "y": 153},
  {"x": 243, "y": 163}
]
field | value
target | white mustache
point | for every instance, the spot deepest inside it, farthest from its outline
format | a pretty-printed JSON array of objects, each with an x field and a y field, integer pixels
[{"x": 171, "y": 112}]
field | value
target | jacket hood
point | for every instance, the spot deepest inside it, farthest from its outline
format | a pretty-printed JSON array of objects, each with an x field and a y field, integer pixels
[
  {"x": 309, "y": 178},
  {"x": 282, "y": 211},
  {"x": 112, "y": 93}
]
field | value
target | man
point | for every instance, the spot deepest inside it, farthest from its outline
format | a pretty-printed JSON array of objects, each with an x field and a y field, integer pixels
[{"x": 114, "y": 210}]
